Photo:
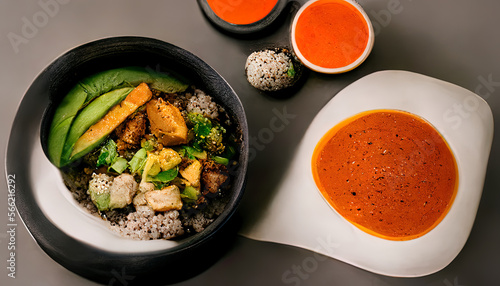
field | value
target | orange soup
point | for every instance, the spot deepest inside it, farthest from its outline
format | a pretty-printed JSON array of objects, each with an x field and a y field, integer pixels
[
  {"x": 331, "y": 33},
  {"x": 242, "y": 12},
  {"x": 388, "y": 172}
]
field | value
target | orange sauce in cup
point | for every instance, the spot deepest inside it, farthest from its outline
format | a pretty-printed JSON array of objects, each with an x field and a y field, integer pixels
[
  {"x": 331, "y": 33},
  {"x": 388, "y": 172},
  {"x": 242, "y": 12}
]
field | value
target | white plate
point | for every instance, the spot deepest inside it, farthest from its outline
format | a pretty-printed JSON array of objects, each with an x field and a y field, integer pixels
[{"x": 299, "y": 216}]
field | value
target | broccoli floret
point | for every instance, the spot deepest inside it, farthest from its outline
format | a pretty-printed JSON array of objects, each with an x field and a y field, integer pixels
[
  {"x": 214, "y": 140},
  {"x": 208, "y": 134},
  {"x": 150, "y": 144},
  {"x": 200, "y": 124}
]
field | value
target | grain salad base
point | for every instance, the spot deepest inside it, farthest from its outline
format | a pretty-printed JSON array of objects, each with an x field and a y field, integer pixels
[{"x": 141, "y": 222}]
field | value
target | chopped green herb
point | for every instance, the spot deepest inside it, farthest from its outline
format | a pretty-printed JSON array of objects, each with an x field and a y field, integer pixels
[
  {"x": 165, "y": 176},
  {"x": 291, "y": 71},
  {"x": 137, "y": 162},
  {"x": 108, "y": 154},
  {"x": 194, "y": 153},
  {"x": 229, "y": 151},
  {"x": 220, "y": 160},
  {"x": 190, "y": 194},
  {"x": 119, "y": 165}
]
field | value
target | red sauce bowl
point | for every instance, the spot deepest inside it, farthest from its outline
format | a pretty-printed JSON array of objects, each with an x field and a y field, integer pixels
[
  {"x": 243, "y": 17},
  {"x": 332, "y": 36}
]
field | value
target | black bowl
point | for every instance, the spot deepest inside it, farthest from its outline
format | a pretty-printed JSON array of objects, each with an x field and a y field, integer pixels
[
  {"x": 32, "y": 122},
  {"x": 245, "y": 29}
]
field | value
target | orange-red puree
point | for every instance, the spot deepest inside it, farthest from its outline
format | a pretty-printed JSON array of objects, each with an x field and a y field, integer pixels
[
  {"x": 242, "y": 12},
  {"x": 331, "y": 33},
  {"x": 388, "y": 172}
]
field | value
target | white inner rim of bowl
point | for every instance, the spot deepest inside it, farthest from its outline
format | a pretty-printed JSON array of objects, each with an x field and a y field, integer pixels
[{"x": 59, "y": 206}]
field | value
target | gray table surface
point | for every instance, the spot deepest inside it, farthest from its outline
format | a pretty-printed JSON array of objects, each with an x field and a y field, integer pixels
[{"x": 453, "y": 40}]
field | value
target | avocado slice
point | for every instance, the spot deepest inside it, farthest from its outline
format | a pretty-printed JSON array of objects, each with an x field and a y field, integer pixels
[
  {"x": 129, "y": 76},
  {"x": 61, "y": 122},
  {"x": 93, "y": 135},
  {"x": 90, "y": 115},
  {"x": 92, "y": 87}
]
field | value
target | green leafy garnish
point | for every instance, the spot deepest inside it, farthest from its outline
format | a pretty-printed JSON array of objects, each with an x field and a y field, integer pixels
[
  {"x": 193, "y": 153},
  {"x": 119, "y": 165},
  {"x": 108, "y": 154},
  {"x": 190, "y": 194},
  {"x": 220, "y": 160},
  {"x": 137, "y": 162},
  {"x": 229, "y": 151},
  {"x": 291, "y": 71},
  {"x": 165, "y": 176}
]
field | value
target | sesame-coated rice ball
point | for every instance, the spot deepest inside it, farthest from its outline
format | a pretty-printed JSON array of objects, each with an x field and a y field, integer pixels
[{"x": 271, "y": 70}]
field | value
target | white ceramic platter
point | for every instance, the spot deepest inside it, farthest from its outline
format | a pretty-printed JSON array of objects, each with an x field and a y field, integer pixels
[{"x": 299, "y": 216}]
